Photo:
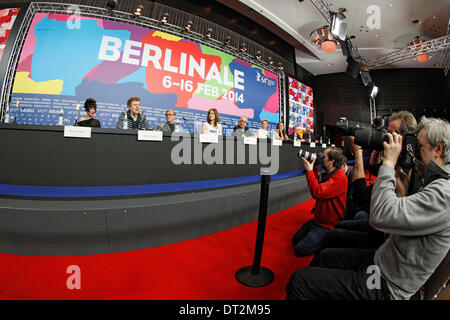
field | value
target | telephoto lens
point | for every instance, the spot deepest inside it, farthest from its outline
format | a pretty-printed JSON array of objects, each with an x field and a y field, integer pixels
[
  {"x": 311, "y": 156},
  {"x": 348, "y": 128},
  {"x": 370, "y": 139}
]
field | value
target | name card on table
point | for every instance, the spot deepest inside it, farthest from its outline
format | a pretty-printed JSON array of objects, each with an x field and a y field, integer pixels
[
  {"x": 312, "y": 144},
  {"x": 324, "y": 145},
  {"x": 250, "y": 140},
  {"x": 297, "y": 143},
  {"x": 144, "y": 135},
  {"x": 208, "y": 138},
  {"x": 277, "y": 142},
  {"x": 77, "y": 132}
]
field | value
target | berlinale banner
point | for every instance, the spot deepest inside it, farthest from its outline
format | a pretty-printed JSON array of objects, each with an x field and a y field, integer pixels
[{"x": 66, "y": 59}]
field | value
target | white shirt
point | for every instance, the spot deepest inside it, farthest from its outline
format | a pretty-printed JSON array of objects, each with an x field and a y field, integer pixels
[
  {"x": 262, "y": 134},
  {"x": 211, "y": 130}
]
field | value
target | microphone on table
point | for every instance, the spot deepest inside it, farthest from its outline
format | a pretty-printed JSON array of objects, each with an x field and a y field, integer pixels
[
  {"x": 78, "y": 112},
  {"x": 18, "y": 111}
]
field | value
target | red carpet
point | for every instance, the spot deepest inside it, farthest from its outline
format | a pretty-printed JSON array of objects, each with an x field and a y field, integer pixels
[{"x": 201, "y": 268}]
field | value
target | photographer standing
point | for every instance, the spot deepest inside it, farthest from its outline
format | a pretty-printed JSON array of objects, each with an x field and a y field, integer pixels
[
  {"x": 330, "y": 191},
  {"x": 418, "y": 224}
]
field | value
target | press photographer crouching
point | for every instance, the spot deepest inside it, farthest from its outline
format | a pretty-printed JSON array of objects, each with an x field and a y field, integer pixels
[
  {"x": 418, "y": 224},
  {"x": 330, "y": 191},
  {"x": 357, "y": 233}
]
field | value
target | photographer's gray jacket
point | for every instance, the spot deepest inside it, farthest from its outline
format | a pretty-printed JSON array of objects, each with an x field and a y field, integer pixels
[{"x": 419, "y": 228}]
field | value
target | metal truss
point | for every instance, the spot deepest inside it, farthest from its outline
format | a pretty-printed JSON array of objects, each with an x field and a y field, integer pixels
[
  {"x": 373, "y": 109},
  {"x": 324, "y": 7},
  {"x": 94, "y": 12},
  {"x": 434, "y": 45}
]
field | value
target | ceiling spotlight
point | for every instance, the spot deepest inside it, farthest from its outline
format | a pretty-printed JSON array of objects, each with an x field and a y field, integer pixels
[
  {"x": 324, "y": 38},
  {"x": 209, "y": 33},
  {"x": 112, "y": 4},
  {"x": 418, "y": 48},
  {"x": 269, "y": 60},
  {"x": 258, "y": 55},
  {"x": 280, "y": 66},
  {"x": 165, "y": 17},
  {"x": 243, "y": 47},
  {"x": 139, "y": 10},
  {"x": 227, "y": 40},
  {"x": 374, "y": 91},
  {"x": 188, "y": 25}
]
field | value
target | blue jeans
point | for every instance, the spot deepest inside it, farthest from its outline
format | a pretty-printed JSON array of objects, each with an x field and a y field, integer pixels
[{"x": 307, "y": 239}]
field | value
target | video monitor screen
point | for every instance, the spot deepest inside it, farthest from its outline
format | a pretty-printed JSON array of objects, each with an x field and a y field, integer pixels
[
  {"x": 67, "y": 59},
  {"x": 301, "y": 105}
]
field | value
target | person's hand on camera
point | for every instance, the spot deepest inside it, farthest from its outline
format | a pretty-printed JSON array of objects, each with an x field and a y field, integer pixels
[
  {"x": 308, "y": 165},
  {"x": 355, "y": 147},
  {"x": 392, "y": 149}
]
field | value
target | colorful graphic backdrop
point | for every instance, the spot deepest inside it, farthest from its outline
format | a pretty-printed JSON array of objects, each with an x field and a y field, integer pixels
[
  {"x": 7, "y": 18},
  {"x": 301, "y": 107},
  {"x": 67, "y": 59}
]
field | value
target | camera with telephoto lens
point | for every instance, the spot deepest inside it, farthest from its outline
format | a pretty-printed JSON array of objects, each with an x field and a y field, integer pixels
[
  {"x": 311, "y": 156},
  {"x": 373, "y": 140},
  {"x": 348, "y": 128}
]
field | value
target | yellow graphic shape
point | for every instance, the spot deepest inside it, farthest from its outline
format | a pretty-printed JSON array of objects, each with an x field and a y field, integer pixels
[
  {"x": 166, "y": 36},
  {"x": 23, "y": 84}
]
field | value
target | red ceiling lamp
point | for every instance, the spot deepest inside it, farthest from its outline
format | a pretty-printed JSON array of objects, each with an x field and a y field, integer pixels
[
  {"x": 418, "y": 48},
  {"x": 324, "y": 38}
]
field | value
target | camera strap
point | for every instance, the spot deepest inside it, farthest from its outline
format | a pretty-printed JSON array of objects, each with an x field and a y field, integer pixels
[{"x": 325, "y": 176}]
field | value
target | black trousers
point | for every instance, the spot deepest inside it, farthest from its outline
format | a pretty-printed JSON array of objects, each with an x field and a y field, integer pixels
[
  {"x": 349, "y": 234},
  {"x": 343, "y": 274}
]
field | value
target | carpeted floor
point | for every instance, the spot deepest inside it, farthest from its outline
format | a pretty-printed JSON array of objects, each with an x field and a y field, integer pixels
[{"x": 202, "y": 268}]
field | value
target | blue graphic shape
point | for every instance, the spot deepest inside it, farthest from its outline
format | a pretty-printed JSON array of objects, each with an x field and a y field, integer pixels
[
  {"x": 68, "y": 54},
  {"x": 257, "y": 89},
  {"x": 272, "y": 117}
]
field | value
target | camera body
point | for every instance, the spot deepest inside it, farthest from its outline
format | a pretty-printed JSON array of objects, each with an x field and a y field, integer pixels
[
  {"x": 373, "y": 140},
  {"x": 311, "y": 156}
]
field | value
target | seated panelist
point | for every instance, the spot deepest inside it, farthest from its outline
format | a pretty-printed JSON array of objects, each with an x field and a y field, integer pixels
[
  {"x": 90, "y": 105},
  {"x": 169, "y": 126},
  {"x": 212, "y": 125},
  {"x": 133, "y": 119}
]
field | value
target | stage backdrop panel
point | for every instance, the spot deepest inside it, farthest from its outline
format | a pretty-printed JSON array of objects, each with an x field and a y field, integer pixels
[
  {"x": 66, "y": 59},
  {"x": 7, "y": 18},
  {"x": 301, "y": 106}
]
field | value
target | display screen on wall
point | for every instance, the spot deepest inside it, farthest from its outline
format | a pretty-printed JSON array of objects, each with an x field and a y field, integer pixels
[
  {"x": 301, "y": 106},
  {"x": 66, "y": 59},
  {"x": 7, "y": 18}
]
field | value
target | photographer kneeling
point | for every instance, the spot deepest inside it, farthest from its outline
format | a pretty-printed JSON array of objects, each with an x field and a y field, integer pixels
[
  {"x": 330, "y": 191},
  {"x": 419, "y": 228}
]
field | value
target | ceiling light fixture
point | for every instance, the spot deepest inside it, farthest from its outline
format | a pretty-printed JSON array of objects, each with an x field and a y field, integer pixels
[
  {"x": 374, "y": 91},
  {"x": 418, "y": 48},
  {"x": 112, "y": 4},
  {"x": 188, "y": 25},
  {"x": 258, "y": 55},
  {"x": 227, "y": 40},
  {"x": 209, "y": 33},
  {"x": 165, "y": 17},
  {"x": 243, "y": 47},
  {"x": 139, "y": 10},
  {"x": 324, "y": 38}
]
